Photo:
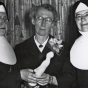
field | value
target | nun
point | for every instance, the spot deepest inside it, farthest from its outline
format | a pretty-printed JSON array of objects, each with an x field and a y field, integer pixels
[
  {"x": 8, "y": 77},
  {"x": 79, "y": 50}
]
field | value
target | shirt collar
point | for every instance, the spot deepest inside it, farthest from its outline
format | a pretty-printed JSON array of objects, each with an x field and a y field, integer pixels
[
  {"x": 84, "y": 33},
  {"x": 37, "y": 43}
]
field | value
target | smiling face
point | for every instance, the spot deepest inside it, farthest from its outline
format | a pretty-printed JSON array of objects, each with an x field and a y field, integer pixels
[
  {"x": 3, "y": 21},
  {"x": 82, "y": 20},
  {"x": 43, "y": 22}
]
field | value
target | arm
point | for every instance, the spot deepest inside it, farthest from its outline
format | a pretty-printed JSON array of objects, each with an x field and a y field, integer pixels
[{"x": 66, "y": 78}]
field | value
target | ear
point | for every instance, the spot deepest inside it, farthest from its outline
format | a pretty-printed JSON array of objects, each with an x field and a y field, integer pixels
[{"x": 33, "y": 21}]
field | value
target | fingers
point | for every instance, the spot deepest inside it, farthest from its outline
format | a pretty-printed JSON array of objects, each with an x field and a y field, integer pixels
[
  {"x": 30, "y": 70},
  {"x": 31, "y": 77},
  {"x": 43, "y": 80},
  {"x": 42, "y": 83},
  {"x": 24, "y": 74},
  {"x": 28, "y": 75},
  {"x": 36, "y": 86}
]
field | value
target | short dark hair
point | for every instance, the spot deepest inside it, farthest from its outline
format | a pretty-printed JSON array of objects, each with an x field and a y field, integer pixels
[{"x": 47, "y": 7}]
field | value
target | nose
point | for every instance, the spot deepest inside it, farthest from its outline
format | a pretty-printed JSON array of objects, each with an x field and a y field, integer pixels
[
  {"x": 1, "y": 22},
  {"x": 82, "y": 18},
  {"x": 43, "y": 23}
]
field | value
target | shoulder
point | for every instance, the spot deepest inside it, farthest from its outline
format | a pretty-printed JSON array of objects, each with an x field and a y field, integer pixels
[{"x": 24, "y": 44}]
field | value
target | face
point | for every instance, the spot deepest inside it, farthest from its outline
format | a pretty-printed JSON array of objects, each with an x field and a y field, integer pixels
[
  {"x": 3, "y": 21},
  {"x": 82, "y": 20},
  {"x": 43, "y": 22}
]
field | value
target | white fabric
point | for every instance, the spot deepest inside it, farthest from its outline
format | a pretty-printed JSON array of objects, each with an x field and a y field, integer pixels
[
  {"x": 41, "y": 69},
  {"x": 84, "y": 33},
  {"x": 7, "y": 54},
  {"x": 2, "y": 9},
  {"x": 81, "y": 7},
  {"x": 79, "y": 52},
  {"x": 41, "y": 49}
]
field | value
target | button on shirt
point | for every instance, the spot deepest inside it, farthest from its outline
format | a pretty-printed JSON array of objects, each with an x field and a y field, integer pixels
[{"x": 43, "y": 44}]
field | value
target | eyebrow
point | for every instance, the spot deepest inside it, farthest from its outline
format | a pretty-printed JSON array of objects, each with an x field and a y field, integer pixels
[{"x": 81, "y": 14}]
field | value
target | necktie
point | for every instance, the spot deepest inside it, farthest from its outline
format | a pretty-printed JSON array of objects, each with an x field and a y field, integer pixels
[{"x": 40, "y": 46}]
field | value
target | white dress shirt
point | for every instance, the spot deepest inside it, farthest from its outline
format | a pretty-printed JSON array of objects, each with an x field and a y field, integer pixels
[{"x": 40, "y": 48}]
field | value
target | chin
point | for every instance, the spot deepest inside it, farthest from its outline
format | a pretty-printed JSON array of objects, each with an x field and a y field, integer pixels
[
  {"x": 42, "y": 34},
  {"x": 84, "y": 30},
  {"x": 2, "y": 34}
]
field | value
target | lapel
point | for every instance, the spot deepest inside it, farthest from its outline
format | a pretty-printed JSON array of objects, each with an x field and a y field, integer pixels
[
  {"x": 34, "y": 49},
  {"x": 47, "y": 49}
]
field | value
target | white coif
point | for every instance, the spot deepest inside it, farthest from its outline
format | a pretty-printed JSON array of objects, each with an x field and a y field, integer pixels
[
  {"x": 7, "y": 54},
  {"x": 79, "y": 52}
]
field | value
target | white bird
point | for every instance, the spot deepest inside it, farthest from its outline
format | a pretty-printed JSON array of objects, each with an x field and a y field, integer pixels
[{"x": 40, "y": 70}]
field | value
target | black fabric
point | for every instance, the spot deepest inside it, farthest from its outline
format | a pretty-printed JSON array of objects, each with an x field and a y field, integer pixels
[
  {"x": 8, "y": 77},
  {"x": 82, "y": 78}
]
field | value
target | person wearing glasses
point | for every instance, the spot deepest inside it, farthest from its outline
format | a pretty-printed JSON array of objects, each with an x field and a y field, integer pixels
[
  {"x": 79, "y": 50},
  {"x": 34, "y": 54}
]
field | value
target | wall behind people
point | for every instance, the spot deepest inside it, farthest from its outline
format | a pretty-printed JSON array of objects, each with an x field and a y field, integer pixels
[{"x": 20, "y": 27}]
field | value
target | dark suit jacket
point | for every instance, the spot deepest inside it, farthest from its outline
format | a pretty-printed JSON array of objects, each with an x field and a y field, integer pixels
[{"x": 29, "y": 56}]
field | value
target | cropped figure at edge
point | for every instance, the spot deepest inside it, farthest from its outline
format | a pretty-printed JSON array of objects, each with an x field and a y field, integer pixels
[
  {"x": 7, "y": 56},
  {"x": 79, "y": 50},
  {"x": 43, "y": 60}
]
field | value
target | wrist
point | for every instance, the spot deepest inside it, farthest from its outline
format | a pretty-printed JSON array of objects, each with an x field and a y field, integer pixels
[{"x": 51, "y": 80}]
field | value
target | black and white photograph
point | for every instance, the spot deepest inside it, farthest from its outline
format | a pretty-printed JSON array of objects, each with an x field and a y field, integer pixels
[{"x": 43, "y": 44}]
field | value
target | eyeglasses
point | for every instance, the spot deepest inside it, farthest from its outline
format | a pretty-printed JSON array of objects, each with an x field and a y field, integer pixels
[
  {"x": 5, "y": 20},
  {"x": 40, "y": 19},
  {"x": 80, "y": 17}
]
